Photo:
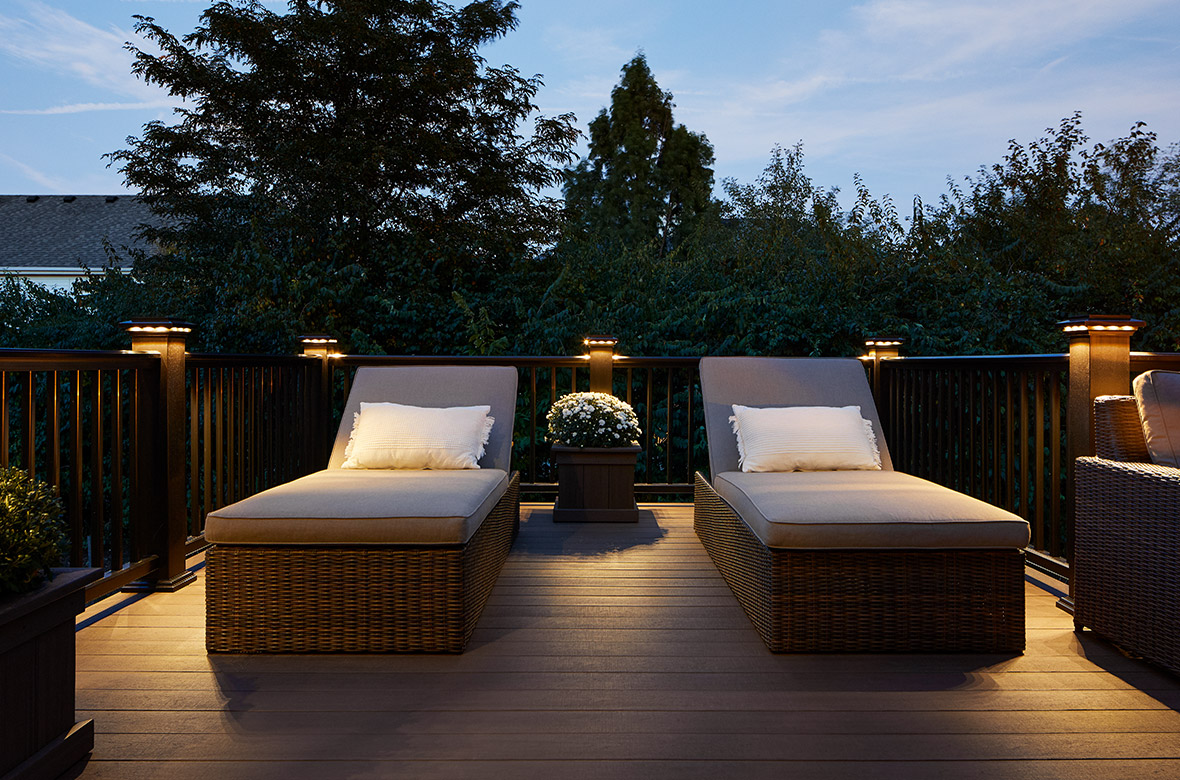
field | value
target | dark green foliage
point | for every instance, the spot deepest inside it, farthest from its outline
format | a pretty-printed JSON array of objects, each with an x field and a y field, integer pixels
[
  {"x": 645, "y": 179},
  {"x": 1058, "y": 227},
  {"x": 346, "y": 166},
  {"x": 1054, "y": 230},
  {"x": 31, "y": 519}
]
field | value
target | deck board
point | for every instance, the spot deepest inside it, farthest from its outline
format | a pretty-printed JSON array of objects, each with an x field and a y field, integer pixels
[{"x": 614, "y": 651}]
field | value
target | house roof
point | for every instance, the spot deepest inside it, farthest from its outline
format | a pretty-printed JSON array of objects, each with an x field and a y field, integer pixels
[{"x": 66, "y": 231}]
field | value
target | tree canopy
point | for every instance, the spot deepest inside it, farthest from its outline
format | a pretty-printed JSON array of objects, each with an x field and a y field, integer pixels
[{"x": 350, "y": 160}]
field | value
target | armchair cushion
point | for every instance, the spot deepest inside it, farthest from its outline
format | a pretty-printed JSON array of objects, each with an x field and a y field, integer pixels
[{"x": 1157, "y": 394}]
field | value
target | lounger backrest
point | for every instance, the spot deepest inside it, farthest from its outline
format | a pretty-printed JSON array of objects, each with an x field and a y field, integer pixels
[
  {"x": 752, "y": 381},
  {"x": 438, "y": 386}
]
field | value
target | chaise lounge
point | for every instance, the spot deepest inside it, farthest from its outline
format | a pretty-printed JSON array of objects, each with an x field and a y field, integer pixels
[
  {"x": 362, "y": 557},
  {"x": 826, "y": 547}
]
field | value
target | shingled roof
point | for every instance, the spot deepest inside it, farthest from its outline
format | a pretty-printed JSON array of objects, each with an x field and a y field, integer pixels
[{"x": 66, "y": 231}]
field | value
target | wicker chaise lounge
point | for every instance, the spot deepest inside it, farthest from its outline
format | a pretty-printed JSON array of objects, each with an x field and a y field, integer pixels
[
  {"x": 851, "y": 560},
  {"x": 1126, "y": 563},
  {"x": 366, "y": 559}
]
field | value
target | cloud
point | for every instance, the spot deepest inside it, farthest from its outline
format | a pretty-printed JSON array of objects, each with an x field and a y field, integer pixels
[
  {"x": 46, "y": 181},
  {"x": 589, "y": 45},
  {"x": 890, "y": 72},
  {"x": 52, "y": 40},
  {"x": 79, "y": 108}
]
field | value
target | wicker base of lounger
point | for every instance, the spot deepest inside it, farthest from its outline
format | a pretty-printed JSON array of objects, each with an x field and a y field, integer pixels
[
  {"x": 377, "y": 599},
  {"x": 865, "y": 601}
]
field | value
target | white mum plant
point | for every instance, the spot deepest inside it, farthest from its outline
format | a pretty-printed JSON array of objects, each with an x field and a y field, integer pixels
[{"x": 593, "y": 420}]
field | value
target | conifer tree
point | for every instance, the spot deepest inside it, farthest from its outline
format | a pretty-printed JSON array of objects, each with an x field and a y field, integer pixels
[{"x": 645, "y": 177}]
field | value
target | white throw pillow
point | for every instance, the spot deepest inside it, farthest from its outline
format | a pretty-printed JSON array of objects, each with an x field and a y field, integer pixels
[
  {"x": 804, "y": 438},
  {"x": 396, "y": 436}
]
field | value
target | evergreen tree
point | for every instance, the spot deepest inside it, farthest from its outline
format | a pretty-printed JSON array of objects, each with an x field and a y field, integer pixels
[
  {"x": 645, "y": 177},
  {"x": 349, "y": 164}
]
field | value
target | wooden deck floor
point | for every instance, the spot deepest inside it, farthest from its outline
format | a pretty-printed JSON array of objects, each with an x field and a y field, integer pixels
[{"x": 614, "y": 652}]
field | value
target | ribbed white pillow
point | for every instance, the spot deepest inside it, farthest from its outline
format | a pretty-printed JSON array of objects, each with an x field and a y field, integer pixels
[
  {"x": 804, "y": 438},
  {"x": 396, "y": 436}
]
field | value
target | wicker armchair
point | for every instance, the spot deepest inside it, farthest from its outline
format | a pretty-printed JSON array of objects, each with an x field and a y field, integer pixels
[{"x": 1126, "y": 560}]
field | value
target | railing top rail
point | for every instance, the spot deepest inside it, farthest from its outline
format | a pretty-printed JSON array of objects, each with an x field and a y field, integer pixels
[
  {"x": 470, "y": 360},
  {"x": 561, "y": 361},
  {"x": 976, "y": 361},
  {"x": 1171, "y": 359},
  {"x": 72, "y": 360},
  {"x": 217, "y": 360},
  {"x": 627, "y": 361}
]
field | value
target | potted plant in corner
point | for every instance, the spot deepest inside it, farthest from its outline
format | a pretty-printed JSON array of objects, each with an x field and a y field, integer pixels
[
  {"x": 595, "y": 443},
  {"x": 38, "y": 608}
]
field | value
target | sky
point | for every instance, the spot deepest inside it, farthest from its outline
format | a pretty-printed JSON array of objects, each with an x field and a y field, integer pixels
[{"x": 904, "y": 92}]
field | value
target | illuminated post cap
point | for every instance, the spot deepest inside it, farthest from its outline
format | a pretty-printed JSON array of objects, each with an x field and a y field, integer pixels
[
  {"x": 157, "y": 327},
  {"x": 316, "y": 344},
  {"x": 1111, "y": 324}
]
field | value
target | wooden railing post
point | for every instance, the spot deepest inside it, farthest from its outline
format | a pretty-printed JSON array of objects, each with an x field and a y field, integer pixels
[
  {"x": 318, "y": 418},
  {"x": 162, "y": 446},
  {"x": 602, "y": 362},
  {"x": 1099, "y": 364},
  {"x": 880, "y": 348}
]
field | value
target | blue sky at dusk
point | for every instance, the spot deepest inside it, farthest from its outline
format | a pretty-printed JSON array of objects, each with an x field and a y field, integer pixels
[{"x": 905, "y": 92}]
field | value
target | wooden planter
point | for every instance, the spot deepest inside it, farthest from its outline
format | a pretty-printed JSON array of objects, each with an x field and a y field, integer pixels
[
  {"x": 39, "y": 737},
  {"x": 595, "y": 484}
]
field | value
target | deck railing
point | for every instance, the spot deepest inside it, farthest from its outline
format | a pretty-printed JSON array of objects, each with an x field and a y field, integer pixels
[
  {"x": 84, "y": 423},
  {"x": 142, "y": 445},
  {"x": 664, "y": 391},
  {"x": 990, "y": 427}
]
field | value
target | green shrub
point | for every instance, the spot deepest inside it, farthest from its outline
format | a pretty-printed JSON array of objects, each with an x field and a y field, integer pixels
[{"x": 31, "y": 517}]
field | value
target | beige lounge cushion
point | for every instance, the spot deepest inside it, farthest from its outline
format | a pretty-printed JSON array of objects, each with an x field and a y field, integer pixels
[
  {"x": 350, "y": 506},
  {"x": 1157, "y": 394},
  {"x": 865, "y": 509}
]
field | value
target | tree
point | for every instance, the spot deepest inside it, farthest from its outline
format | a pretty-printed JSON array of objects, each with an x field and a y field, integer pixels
[
  {"x": 1057, "y": 228},
  {"x": 364, "y": 145},
  {"x": 645, "y": 177}
]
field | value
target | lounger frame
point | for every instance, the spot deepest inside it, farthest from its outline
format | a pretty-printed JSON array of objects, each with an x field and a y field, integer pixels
[
  {"x": 865, "y": 601},
  {"x": 358, "y": 599}
]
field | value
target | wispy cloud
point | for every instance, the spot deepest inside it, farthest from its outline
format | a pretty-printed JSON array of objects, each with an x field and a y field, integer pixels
[
  {"x": 909, "y": 87},
  {"x": 594, "y": 46},
  {"x": 53, "y": 41},
  {"x": 930, "y": 40},
  {"x": 46, "y": 181},
  {"x": 80, "y": 108}
]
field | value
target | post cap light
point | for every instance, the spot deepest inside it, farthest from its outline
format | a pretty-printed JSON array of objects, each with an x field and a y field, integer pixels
[
  {"x": 316, "y": 338},
  {"x": 600, "y": 341},
  {"x": 884, "y": 341},
  {"x": 1100, "y": 323},
  {"x": 161, "y": 326}
]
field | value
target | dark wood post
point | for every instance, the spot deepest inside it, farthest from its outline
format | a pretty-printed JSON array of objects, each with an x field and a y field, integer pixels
[
  {"x": 163, "y": 486},
  {"x": 318, "y": 411},
  {"x": 1099, "y": 364},
  {"x": 602, "y": 362}
]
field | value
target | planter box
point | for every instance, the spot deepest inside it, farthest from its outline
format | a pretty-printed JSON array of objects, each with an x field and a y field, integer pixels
[
  {"x": 40, "y": 738},
  {"x": 595, "y": 484}
]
